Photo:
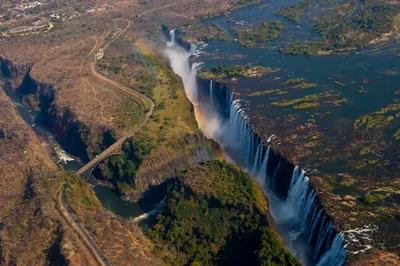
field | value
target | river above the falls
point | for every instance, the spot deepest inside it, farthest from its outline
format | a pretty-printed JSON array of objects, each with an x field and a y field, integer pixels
[
  {"x": 344, "y": 88},
  {"x": 360, "y": 76}
]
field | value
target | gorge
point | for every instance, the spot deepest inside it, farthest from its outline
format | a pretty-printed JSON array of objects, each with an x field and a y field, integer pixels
[
  {"x": 307, "y": 230},
  {"x": 258, "y": 132}
]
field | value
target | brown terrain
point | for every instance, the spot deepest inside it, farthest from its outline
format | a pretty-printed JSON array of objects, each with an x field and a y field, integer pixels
[
  {"x": 51, "y": 69},
  {"x": 378, "y": 258},
  {"x": 29, "y": 220},
  {"x": 57, "y": 59},
  {"x": 34, "y": 230}
]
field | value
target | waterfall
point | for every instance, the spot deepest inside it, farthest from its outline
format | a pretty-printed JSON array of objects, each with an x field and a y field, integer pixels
[
  {"x": 336, "y": 255},
  {"x": 265, "y": 161},
  {"x": 274, "y": 176},
  {"x": 240, "y": 134},
  {"x": 179, "y": 60},
  {"x": 304, "y": 206},
  {"x": 298, "y": 205},
  {"x": 257, "y": 159},
  {"x": 211, "y": 93},
  {"x": 172, "y": 40}
]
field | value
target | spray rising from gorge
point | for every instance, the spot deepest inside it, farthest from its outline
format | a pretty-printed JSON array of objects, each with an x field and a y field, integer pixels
[{"x": 307, "y": 230}]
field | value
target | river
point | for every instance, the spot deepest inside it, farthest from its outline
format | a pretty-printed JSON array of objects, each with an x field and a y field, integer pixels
[
  {"x": 367, "y": 80},
  {"x": 109, "y": 198}
]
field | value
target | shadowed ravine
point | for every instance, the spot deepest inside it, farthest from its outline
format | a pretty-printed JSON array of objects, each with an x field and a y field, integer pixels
[{"x": 307, "y": 230}]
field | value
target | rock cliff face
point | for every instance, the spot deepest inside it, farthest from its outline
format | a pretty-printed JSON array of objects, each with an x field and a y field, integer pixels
[
  {"x": 30, "y": 229},
  {"x": 277, "y": 172},
  {"x": 85, "y": 141},
  {"x": 79, "y": 139},
  {"x": 169, "y": 162},
  {"x": 14, "y": 74}
]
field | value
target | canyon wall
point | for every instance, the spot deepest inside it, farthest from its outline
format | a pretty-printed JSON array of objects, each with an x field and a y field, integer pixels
[
  {"x": 278, "y": 175},
  {"x": 77, "y": 138}
]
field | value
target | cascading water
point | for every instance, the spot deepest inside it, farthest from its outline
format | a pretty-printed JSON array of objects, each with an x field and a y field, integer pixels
[
  {"x": 211, "y": 92},
  {"x": 257, "y": 159},
  {"x": 305, "y": 206},
  {"x": 306, "y": 228},
  {"x": 179, "y": 60}
]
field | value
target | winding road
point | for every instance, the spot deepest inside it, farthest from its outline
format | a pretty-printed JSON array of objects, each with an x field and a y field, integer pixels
[
  {"x": 69, "y": 217},
  {"x": 122, "y": 89},
  {"x": 81, "y": 231},
  {"x": 129, "y": 92},
  {"x": 118, "y": 87}
]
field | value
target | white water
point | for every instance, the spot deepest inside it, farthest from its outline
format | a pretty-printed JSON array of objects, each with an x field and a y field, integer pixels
[
  {"x": 211, "y": 92},
  {"x": 299, "y": 218},
  {"x": 179, "y": 60},
  {"x": 63, "y": 156},
  {"x": 157, "y": 209}
]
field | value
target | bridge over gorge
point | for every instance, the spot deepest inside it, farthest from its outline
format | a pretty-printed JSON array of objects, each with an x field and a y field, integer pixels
[{"x": 115, "y": 148}]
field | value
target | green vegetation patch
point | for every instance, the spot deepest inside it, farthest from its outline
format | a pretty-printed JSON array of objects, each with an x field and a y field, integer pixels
[
  {"x": 378, "y": 119},
  {"x": 365, "y": 150},
  {"x": 390, "y": 72},
  {"x": 235, "y": 71},
  {"x": 373, "y": 121},
  {"x": 348, "y": 182},
  {"x": 78, "y": 195},
  {"x": 206, "y": 32},
  {"x": 395, "y": 107},
  {"x": 337, "y": 103},
  {"x": 334, "y": 16},
  {"x": 214, "y": 215},
  {"x": 307, "y": 98},
  {"x": 344, "y": 26},
  {"x": 306, "y": 106},
  {"x": 304, "y": 85},
  {"x": 300, "y": 83},
  {"x": 266, "y": 92},
  {"x": 372, "y": 162},
  {"x": 136, "y": 70},
  {"x": 295, "y": 11},
  {"x": 267, "y": 31},
  {"x": 310, "y": 48},
  {"x": 294, "y": 80},
  {"x": 371, "y": 198},
  {"x": 122, "y": 169},
  {"x": 397, "y": 135},
  {"x": 263, "y": 6}
]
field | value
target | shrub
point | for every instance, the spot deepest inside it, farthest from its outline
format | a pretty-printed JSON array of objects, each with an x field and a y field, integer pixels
[{"x": 372, "y": 198}]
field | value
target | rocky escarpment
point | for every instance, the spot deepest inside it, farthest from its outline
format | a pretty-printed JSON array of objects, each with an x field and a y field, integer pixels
[
  {"x": 169, "y": 162},
  {"x": 277, "y": 172},
  {"x": 77, "y": 138},
  {"x": 343, "y": 189},
  {"x": 31, "y": 232},
  {"x": 13, "y": 74}
]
